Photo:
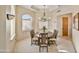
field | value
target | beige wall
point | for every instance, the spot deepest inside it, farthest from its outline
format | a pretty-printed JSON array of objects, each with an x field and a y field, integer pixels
[
  {"x": 2, "y": 29},
  {"x": 19, "y": 12},
  {"x": 10, "y": 36}
]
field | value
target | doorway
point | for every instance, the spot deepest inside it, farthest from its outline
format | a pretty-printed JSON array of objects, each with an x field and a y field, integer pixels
[{"x": 65, "y": 26}]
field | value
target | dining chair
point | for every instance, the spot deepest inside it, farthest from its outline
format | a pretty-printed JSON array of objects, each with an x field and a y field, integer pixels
[
  {"x": 53, "y": 38},
  {"x": 43, "y": 41},
  {"x": 34, "y": 39}
]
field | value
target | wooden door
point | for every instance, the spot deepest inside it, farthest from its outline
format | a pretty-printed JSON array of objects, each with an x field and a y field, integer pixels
[{"x": 65, "y": 26}]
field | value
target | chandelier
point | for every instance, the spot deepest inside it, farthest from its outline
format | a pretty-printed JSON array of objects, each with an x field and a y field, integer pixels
[{"x": 44, "y": 17}]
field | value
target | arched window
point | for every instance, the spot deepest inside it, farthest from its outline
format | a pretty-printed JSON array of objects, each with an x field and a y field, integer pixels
[{"x": 26, "y": 22}]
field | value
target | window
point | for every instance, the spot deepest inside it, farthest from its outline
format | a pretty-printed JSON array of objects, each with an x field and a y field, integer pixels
[
  {"x": 26, "y": 22},
  {"x": 26, "y": 17}
]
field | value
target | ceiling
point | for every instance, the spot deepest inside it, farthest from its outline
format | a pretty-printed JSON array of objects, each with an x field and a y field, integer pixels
[
  {"x": 40, "y": 8},
  {"x": 51, "y": 8}
]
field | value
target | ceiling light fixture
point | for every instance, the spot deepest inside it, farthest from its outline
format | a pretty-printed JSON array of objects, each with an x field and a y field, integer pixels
[{"x": 44, "y": 18}]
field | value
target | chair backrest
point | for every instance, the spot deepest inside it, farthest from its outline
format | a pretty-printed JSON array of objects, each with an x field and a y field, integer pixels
[
  {"x": 55, "y": 34},
  {"x": 43, "y": 38},
  {"x": 32, "y": 33}
]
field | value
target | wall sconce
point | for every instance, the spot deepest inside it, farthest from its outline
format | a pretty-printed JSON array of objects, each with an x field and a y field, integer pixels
[{"x": 10, "y": 17}]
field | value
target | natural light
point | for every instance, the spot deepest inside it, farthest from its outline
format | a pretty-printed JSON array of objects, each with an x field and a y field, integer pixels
[{"x": 26, "y": 22}]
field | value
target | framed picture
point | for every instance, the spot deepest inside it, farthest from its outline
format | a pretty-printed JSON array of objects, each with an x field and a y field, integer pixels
[{"x": 76, "y": 21}]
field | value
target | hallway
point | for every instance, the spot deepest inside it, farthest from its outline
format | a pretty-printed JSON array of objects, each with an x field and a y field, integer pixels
[{"x": 24, "y": 45}]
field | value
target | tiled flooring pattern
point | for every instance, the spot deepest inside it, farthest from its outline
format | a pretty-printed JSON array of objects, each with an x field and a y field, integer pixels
[
  {"x": 65, "y": 44},
  {"x": 24, "y": 46}
]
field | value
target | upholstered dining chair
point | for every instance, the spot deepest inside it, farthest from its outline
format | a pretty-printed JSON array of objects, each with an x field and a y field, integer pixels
[
  {"x": 34, "y": 39},
  {"x": 43, "y": 41},
  {"x": 53, "y": 38}
]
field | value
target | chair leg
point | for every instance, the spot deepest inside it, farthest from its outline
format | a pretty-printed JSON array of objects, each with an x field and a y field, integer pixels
[
  {"x": 44, "y": 47},
  {"x": 55, "y": 44},
  {"x": 31, "y": 41},
  {"x": 39, "y": 49},
  {"x": 47, "y": 49}
]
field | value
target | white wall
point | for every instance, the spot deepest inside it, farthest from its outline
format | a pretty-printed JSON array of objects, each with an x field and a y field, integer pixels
[{"x": 75, "y": 35}]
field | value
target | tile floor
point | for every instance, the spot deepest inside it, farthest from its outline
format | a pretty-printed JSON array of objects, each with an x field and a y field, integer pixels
[{"x": 63, "y": 45}]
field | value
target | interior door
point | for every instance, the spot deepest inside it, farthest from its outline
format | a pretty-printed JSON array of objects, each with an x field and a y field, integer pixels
[{"x": 65, "y": 26}]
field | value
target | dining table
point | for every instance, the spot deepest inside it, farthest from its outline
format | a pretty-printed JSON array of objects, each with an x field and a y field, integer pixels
[{"x": 50, "y": 34}]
